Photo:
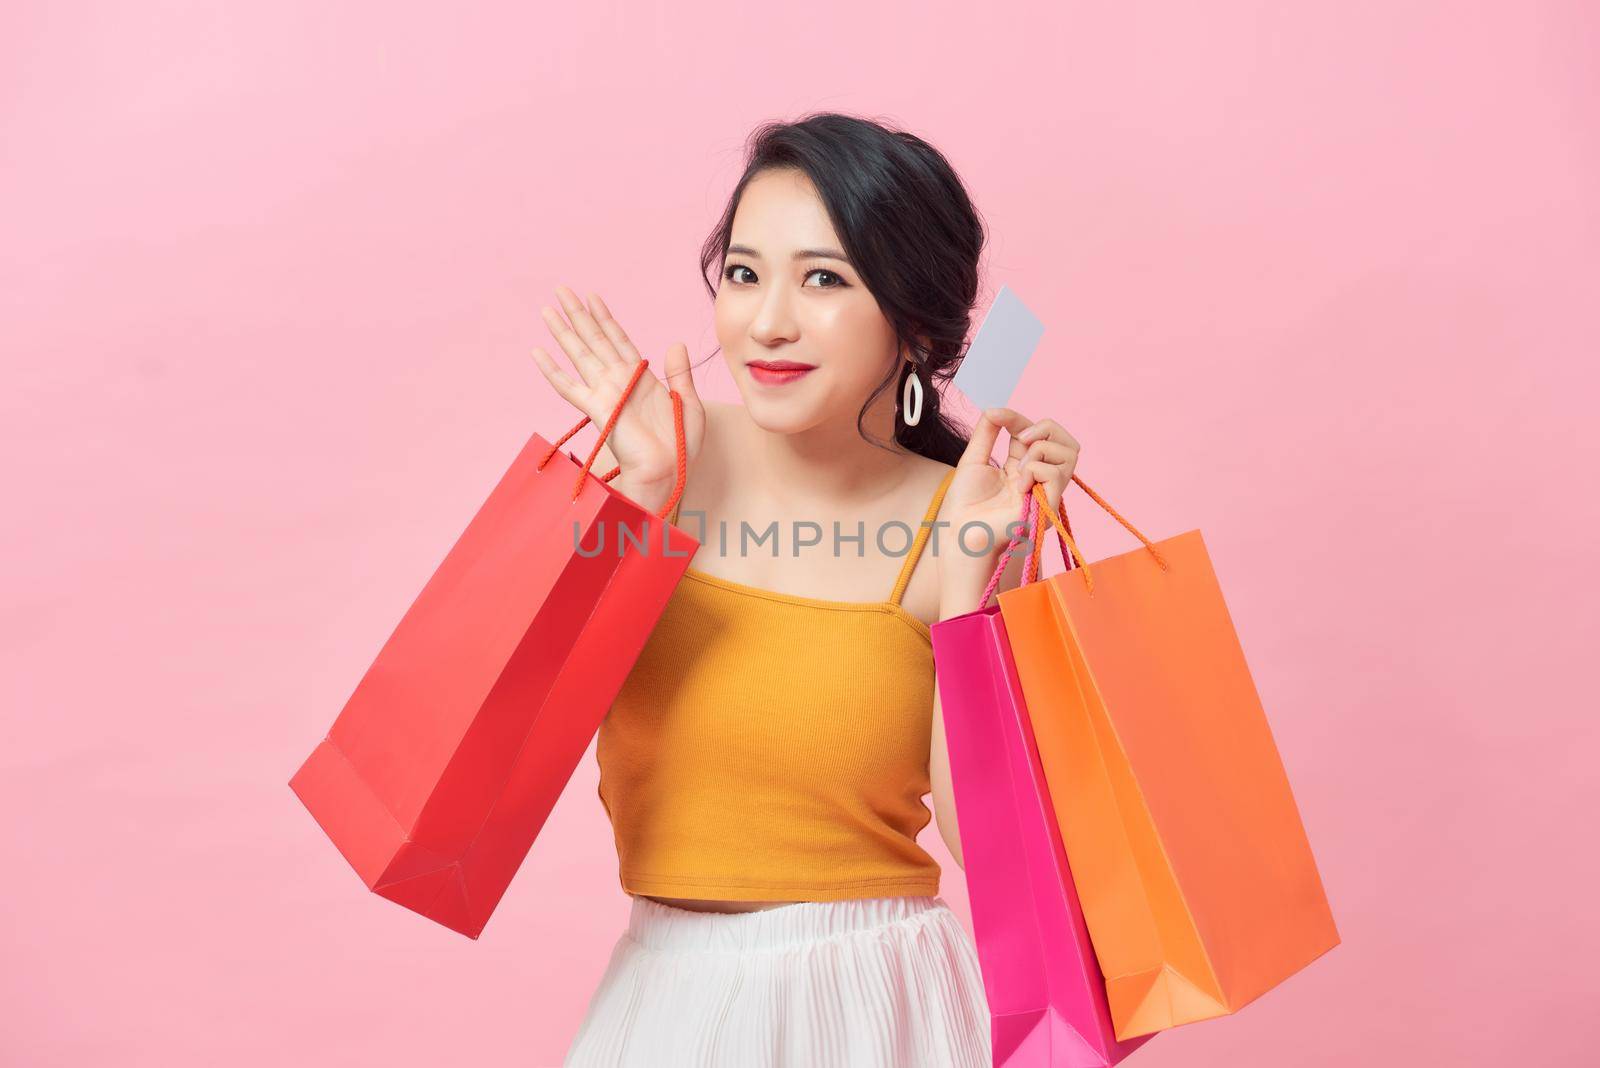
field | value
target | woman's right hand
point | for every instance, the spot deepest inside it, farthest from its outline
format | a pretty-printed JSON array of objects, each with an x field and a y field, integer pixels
[{"x": 643, "y": 440}]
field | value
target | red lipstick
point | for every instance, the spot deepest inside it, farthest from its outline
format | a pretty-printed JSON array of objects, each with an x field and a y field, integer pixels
[{"x": 778, "y": 372}]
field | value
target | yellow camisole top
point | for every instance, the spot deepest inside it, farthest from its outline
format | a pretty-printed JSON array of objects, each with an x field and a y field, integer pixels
[{"x": 771, "y": 747}]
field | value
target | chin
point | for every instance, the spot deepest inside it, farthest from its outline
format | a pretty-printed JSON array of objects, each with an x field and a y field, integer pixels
[
  {"x": 781, "y": 417},
  {"x": 783, "y": 414}
]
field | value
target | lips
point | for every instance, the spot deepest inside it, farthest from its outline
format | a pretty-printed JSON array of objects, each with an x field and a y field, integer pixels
[{"x": 778, "y": 372}]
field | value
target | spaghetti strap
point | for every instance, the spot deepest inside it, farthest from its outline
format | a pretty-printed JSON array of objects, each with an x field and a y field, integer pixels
[{"x": 923, "y": 531}]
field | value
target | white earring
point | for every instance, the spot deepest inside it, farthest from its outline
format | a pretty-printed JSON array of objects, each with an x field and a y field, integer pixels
[{"x": 911, "y": 399}]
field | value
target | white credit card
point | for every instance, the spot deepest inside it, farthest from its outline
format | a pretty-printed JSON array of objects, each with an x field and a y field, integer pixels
[{"x": 1004, "y": 344}]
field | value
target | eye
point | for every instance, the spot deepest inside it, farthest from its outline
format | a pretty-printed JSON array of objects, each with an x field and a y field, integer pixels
[
  {"x": 838, "y": 280},
  {"x": 840, "y": 283}
]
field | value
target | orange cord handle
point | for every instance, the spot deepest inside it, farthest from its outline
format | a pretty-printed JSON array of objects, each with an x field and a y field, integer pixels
[
  {"x": 677, "y": 429},
  {"x": 1065, "y": 533},
  {"x": 1038, "y": 504},
  {"x": 1030, "y": 570}
]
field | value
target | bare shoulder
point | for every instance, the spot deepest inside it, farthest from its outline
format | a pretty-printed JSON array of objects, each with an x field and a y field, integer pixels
[
  {"x": 922, "y": 594},
  {"x": 933, "y": 476},
  {"x": 923, "y": 477}
]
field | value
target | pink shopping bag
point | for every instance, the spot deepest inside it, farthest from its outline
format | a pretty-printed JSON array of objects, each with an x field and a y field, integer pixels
[{"x": 1047, "y": 999}]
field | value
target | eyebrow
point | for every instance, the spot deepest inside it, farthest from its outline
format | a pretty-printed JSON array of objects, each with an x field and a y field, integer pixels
[{"x": 800, "y": 254}]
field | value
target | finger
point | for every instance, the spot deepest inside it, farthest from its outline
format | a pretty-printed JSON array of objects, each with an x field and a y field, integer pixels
[
  {"x": 980, "y": 447},
  {"x": 586, "y": 327},
  {"x": 1017, "y": 469},
  {"x": 1010, "y": 418},
  {"x": 1048, "y": 429},
  {"x": 1016, "y": 450},
  {"x": 1050, "y": 476},
  {"x": 613, "y": 330},
  {"x": 1053, "y": 451},
  {"x": 679, "y": 375},
  {"x": 571, "y": 391},
  {"x": 1064, "y": 458},
  {"x": 1014, "y": 422},
  {"x": 585, "y": 361}
]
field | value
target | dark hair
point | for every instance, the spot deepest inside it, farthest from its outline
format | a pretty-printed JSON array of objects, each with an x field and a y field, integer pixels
[{"x": 910, "y": 231}]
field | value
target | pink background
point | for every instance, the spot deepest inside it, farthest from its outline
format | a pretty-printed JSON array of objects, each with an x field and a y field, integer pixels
[{"x": 1318, "y": 279}]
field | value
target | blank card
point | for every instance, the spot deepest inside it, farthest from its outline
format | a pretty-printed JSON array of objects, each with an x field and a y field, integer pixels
[{"x": 1004, "y": 344}]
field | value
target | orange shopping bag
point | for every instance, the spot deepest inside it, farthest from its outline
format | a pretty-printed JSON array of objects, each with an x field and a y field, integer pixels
[{"x": 1190, "y": 860}]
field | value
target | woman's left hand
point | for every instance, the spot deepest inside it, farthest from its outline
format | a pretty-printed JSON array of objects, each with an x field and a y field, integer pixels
[{"x": 983, "y": 495}]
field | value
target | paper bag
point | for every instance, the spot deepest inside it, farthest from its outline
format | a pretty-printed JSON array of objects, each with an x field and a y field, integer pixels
[
  {"x": 440, "y": 770},
  {"x": 1046, "y": 997},
  {"x": 1187, "y": 849}
]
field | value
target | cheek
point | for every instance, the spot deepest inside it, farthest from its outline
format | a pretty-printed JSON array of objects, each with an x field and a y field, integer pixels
[
  {"x": 725, "y": 316},
  {"x": 840, "y": 325},
  {"x": 857, "y": 340}
]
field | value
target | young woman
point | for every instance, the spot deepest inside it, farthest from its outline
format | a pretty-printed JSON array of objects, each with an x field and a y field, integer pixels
[{"x": 765, "y": 763}]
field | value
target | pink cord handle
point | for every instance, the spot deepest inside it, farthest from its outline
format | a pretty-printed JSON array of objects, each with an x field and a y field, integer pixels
[{"x": 1005, "y": 557}]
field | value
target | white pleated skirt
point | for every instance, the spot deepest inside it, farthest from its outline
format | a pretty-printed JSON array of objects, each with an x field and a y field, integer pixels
[{"x": 888, "y": 982}]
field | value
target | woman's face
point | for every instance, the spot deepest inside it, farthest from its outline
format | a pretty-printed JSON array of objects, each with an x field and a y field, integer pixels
[{"x": 788, "y": 295}]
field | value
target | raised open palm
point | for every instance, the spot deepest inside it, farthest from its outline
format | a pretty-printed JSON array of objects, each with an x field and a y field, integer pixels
[{"x": 643, "y": 440}]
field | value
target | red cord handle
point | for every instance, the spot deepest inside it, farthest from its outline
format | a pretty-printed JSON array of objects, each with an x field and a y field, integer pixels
[{"x": 677, "y": 429}]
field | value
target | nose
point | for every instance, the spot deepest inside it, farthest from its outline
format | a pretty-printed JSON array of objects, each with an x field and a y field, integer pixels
[{"x": 774, "y": 321}]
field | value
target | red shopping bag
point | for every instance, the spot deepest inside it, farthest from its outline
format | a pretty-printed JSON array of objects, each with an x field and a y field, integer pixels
[{"x": 442, "y": 767}]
